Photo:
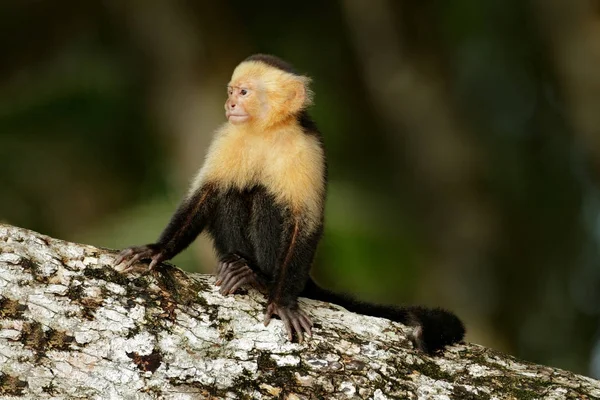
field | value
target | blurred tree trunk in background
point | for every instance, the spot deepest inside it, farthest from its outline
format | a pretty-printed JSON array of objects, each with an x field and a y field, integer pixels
[
  {"x": 409, "y": 91},
  {"x": 572, "y": 30}
]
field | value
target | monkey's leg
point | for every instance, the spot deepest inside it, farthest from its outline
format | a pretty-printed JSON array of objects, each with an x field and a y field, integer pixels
[
  {"x": 229, "y": 229},
  {"x": 284, "y": 253},
  {"x": 186, "y": 224},
  {"x": 292, "y": 273},
  {"x": 233, "y": 272}
]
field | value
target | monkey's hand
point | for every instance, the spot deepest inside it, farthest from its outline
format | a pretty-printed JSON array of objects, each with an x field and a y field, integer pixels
[
  {"x": 294, "y": 319},
  {"x": 133, "y": 254},
  {"x": 233, "y": 272}
]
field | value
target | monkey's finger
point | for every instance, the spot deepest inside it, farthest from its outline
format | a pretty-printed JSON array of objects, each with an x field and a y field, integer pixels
[
  {"x": 230, "y": 269},
  {"x": 288, "y": 325},
  {"x": 227, "y": 277},
  {"x": 157, "y": 259},
  {"x": 234, "y": 284},
  {"x": 232, "y": 276},
  {"x": 269, "y": 313},
  {"x": 222, "y": 273},
  {"x": 251, "y": 279},
  {"x": 153, "y": 264},
  {"x": 227, "y": 274},
  {"x": 132, "y": 261},
  {"x": 306, "y": 325},
  {"x": 235, "y": 265},
  {"x": 247, "y": 278},
  {"x": 238, "y": 280},
  {"x": 298, "y": 329},
  {"x": 224, "y": 262},
  {"x": 222, "y": 266},
  {"x": 121, "y": 256},
  {"x": 306, "y": 317},
  {"x": 224, "y": 290},
  {"x": 118, "y": 259},
  {"x": 238, "y": 285}
]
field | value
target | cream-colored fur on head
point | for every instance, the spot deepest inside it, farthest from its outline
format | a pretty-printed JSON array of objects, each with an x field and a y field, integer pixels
[{"x": 283, "y": 93}]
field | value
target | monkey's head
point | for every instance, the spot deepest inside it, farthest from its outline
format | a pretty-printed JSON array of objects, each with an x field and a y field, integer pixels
[{"x": 265, "y": 90}]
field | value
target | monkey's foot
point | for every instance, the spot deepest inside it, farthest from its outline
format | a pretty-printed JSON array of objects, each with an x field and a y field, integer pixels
[
  {"x": 294, "y": 319},
  {"x": 233, "y": 272},
  {"x": 136, "y": 253}
]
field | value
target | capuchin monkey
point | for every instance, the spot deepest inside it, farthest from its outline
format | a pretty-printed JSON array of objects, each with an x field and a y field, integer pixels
[{"x": 261, "y": 195}]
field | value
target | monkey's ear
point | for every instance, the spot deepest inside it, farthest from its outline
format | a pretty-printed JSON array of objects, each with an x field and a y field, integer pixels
[{"x": 300, "y": 95}]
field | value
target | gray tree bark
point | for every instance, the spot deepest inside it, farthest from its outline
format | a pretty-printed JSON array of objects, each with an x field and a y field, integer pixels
[{"x": 71, "y": 326}]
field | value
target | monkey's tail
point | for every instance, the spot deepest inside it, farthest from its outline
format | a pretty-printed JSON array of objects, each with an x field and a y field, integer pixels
[{"x": 435, "y": 328}]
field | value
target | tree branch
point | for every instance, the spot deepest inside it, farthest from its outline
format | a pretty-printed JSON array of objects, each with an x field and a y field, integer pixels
[{"x": 70, "y": 325}]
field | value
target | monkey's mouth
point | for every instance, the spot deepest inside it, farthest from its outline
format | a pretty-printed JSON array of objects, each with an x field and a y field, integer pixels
[{"x": 236, "y": 118}]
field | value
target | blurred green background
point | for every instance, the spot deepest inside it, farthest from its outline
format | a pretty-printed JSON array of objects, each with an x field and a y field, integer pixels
[{"x": 463, "y": 140}]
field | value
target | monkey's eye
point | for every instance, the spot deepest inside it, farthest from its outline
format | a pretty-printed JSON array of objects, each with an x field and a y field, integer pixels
[{"x": 243, "y": 92}]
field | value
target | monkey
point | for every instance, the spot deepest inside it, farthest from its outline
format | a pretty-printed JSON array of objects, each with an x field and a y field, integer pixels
[{"x": 260, "y": 194}]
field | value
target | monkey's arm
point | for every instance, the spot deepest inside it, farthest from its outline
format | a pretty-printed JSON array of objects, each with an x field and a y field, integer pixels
[
  {"x": 186, "y": 224},
  {"x": 290, "y": 276}
]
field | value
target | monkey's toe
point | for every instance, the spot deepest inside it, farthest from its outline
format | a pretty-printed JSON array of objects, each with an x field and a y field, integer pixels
[
  {"x": 230, "y": 266},
  {"x": 233, "y": 280},
  {"x": 226, "y": 260},
  {"x": 294, "y": 319},
  {"x": 231, "y": 275}
]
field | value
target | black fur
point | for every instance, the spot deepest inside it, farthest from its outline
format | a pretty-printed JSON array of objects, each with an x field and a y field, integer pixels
[
  {"x": 293, "y": 266},
  {"x": 273, "y": 61},
  {"x": 229, "y": 222},
  {"x": 309, "y": 126},
  {"x": 187, "y": 222},
  {"x": 439, "y": 328},
  {"x": 264, "y": 231},
  {"x": 250, "y": 224},
  {"x": 436, "y": 327}
]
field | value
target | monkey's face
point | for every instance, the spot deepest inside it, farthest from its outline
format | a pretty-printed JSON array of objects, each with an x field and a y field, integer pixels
[
  {"x": 238, "y": 104},
  {"x": 263, "y": 96}
]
